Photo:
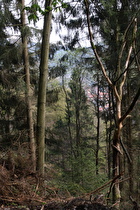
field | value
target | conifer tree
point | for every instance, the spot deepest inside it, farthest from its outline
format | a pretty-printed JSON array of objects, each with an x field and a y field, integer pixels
[
  {"x": 116, "y": 24},
  {"x": 12, "y": 63},
  {"x": 10, "y": 58},
  {"x": 78, "y": 123}
]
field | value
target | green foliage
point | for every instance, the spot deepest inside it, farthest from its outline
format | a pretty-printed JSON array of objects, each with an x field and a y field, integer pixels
[
  {"x": 13, "y": 109},
  {"x": 73, "y": 189},
  {"x": 33, "y": 12},
  {"x": 56, "y": 3},
  {"x": 71, "y": 119},
  {"x": 34, "y": 9},
  {"x": 70, "y": 142}
]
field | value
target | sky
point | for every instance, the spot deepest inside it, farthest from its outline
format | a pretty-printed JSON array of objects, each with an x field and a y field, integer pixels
[
  {"x": 14, "y": 34},
  {"x": 54, "y": 38}
]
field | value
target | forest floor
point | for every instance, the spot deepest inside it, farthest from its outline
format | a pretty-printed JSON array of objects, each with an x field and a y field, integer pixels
[
  {"x": 20, "y": 188},
  {"x": 25, "y": 190}
]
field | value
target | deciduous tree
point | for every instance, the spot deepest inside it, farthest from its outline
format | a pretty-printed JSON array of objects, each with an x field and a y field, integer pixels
[
  {"x": 28, "y": 86},
  {"x": 43, "y": 78},
  {"x": 117, "y": 86}
]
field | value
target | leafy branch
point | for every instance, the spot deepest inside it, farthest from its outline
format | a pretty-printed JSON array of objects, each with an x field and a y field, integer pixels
[{"x": 34, "y": 9}]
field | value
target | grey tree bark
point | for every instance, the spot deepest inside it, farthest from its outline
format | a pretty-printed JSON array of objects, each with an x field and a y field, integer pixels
[
  {"x": 42, "y": 88},
  {"x": 28, "y": 88}
]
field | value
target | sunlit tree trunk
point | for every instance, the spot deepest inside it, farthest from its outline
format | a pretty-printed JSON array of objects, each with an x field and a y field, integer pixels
[
  {"x": 28, "y": 88},
  {"x": 42, "y": 89}
]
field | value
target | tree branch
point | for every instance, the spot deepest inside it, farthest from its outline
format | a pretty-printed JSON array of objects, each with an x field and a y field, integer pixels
[
  {"x": 126, "y": 66},
  {"x": 124, "y": 42},
  {"x": 131, "y": 106},
  {"x": 93, "y": 45},
  {"x": 135, "y": 55},
  {"x": 126, "y": 152}
]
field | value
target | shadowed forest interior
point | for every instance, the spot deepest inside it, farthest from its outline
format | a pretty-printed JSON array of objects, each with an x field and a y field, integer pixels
[{"x": 69, "y": 104}]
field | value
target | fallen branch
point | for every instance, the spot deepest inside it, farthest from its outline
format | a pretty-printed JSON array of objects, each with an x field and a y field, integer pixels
[
  {"x": 113, "y": 183},
  {"x": 103, "y": 186}
]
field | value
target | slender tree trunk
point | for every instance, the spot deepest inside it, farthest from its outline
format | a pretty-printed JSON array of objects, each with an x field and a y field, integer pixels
[
  {"x": 98, "y": 130},
  {"x": 42, "y": 89},
  {"x": 130, "y": 143},
  {"x": 68, "y": 118},
  {"x": 77, "y": 125},
  {"x": 109, "y": 134},
  {"x": 72, "y": 151},
  {"x": 28, "y": 89},
  {"x": 116, "y": 155},
  {"x": 130, "y": 165}
]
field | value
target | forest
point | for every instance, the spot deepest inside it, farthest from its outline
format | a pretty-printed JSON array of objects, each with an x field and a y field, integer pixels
[{"x": 69, "y": 104}]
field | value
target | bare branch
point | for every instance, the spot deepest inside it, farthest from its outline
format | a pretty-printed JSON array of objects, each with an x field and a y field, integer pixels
[
  {"x": 124, "y": 41},
  {"x": 93, "y": 45},
  {"x": 126, "y": 66},
  {"x": 134, "y": 46},
  {"x": 126, "y": 152},
  {"x": 131, "y": 62},
  {"x": 131, "y": 106}
]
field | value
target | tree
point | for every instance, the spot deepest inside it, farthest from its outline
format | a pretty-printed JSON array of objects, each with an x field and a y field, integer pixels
[
  {"x": 118, "y": 91},
  {"x": 11, "y": 58},
  {"x": 114, "y": 24},
  {"x": 28, "y": 86},
  {"x": 42, "y": 87}
]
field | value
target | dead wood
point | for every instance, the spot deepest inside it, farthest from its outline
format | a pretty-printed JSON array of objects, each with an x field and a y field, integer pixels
[{"x": 26, "y": 191}]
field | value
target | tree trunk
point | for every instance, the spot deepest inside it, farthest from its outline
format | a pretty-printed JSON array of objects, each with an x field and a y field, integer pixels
[
  {"x": 130, "y": 143},
  {"x": 28, "y": 89},
  {"x": 42, "y": 89},
  {"x": 109, "y": 133},
  {"x": 116, "y": 155},
  {"x": 98, "y": 129}
]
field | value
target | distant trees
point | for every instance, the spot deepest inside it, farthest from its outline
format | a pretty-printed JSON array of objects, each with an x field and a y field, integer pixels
[
  {"x": 16, "y": 63},
  {"x": 113, "y": 24},
  {"x": 77, "y": 119},
  {"x": 79, "y": 133},
  {"x": 74, "y": 134}
]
